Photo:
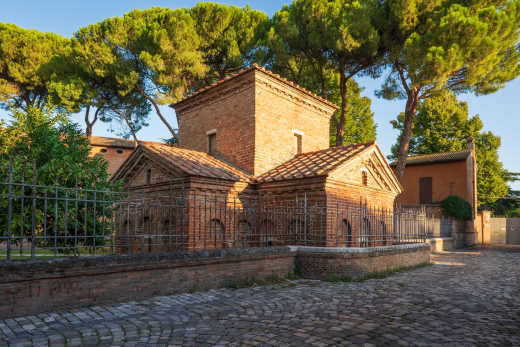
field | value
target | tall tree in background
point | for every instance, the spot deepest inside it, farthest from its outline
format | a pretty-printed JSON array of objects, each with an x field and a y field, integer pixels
[
  {"x": 228, "y": 36},
  {"x": 440, "y": 45},
  {"x": 84, "y": 83},
  {"x": 359, "y": 123},
  {"x": 322, "y": 45},
  {"x": 28, "y": 61},
  {"x": 442, "y": 124},
  {"x": 153, "y": 53}
]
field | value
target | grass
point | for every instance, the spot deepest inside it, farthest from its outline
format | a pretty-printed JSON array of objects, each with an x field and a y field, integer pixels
[
  {"x": 49, "y": 253},
  {"x": 374, "y": 275}
]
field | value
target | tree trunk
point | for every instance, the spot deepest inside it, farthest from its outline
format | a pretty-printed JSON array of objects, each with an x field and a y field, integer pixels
[
  {"x": 149, "y": 98},
  {"x": 340, "y": 130},
  {"x": 127, "y": 121},
  {"x": 88, "y": 123},
  {"x": 404, "y": 143}
]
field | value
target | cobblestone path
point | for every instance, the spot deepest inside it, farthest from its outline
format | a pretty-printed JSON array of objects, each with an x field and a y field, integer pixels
[{"x": 466, "y": 298}]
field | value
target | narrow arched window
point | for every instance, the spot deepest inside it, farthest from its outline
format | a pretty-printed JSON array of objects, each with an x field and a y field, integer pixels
[
  {"x": 347, "y": 232},
  {"x": 148, "y": 176},
  {"x": 364, "y": 237},
  {"x": 244, "y": 233},
  {"x": 364, "y": 178}
]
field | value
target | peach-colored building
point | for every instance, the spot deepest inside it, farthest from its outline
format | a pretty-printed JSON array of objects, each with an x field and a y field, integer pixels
[{"x": 433, "y": 177}]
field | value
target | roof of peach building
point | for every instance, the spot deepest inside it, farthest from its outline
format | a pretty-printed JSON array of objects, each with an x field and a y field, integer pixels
[
  {"x": 115, "y": 142},
  {"x": 435, "y": 158},
  {"x": 313, "y": 164},
  {"x": 258, "y": 68}
]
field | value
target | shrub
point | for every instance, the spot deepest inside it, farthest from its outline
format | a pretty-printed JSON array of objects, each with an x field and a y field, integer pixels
[{"x": 455, "y": 206}]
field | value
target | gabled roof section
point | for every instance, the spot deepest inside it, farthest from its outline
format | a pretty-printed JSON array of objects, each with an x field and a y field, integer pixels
[
  {"x": 436, "y": 158},
  {"x": 110, "y": 142},
  {"x": 257, "y": 68},
  {"x": 115, "y": 142},
  {"x": 314, "y": 164},
  {"x": 184, "y": 161}
]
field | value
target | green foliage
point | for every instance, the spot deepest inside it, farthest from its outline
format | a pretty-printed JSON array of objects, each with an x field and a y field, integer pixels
[
  {"x": 508, "y": 206},
  {"x": 442, "y": 124},
  {"x": 228, "y": 36},
  {"x": 28, "y": 63},
  {"x": 321, "y": 45},
  {"x": 431, "y": 46},
  {"x": 457, "y": 207},
  {"x": 47, "y": 140},
  {"x": 359, "y": 121},
  {"x": 151, "y": 54}
]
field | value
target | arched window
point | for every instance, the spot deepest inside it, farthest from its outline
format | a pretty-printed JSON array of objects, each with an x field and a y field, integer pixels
[
  {"x": 244, "y": 233},
  {"x": 148, "y": 176},
  {"x": 217, "y": 231},
  {"x": 347, "y": 232},
  {"x": 364, "y": 178},
  {"x": 267, "y": 230}
]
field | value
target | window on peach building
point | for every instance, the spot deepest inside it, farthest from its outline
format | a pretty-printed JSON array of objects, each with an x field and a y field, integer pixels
[{"x": 452, "y": 188}]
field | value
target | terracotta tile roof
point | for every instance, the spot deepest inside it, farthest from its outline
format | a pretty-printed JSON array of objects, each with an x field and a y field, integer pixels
[
  {"x": 195, "y": 163},
  {"x": 110, "y": 142},
  {"x": 115, "y": 142},
  {"x": 313, "y": 164},
  {"x": 258, "y": 68},
  {"x": 435, "y": 158}
]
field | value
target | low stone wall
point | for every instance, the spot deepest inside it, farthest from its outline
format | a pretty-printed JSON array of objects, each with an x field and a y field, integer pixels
[
  {"x": 31, "y": 287},
  {"x": 320, "y": 262},
  {"x": 440, "y": 244}
]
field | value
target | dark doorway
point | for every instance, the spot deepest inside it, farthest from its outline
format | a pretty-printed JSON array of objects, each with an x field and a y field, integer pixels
[{"x": 425, "y": 190}]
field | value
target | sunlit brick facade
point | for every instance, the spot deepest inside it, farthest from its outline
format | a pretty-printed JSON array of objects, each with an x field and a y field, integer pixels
[{"x": 256, "y": 144}]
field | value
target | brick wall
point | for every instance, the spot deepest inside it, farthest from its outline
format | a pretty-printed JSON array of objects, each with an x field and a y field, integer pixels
[
  {"x": 32, "y": 287},
  {"x": 280, "y": 111},
  {"x": 228, "y": 109},
  {"x": 39, "y": 286},
  {"x": 255, "y": 116},
  {"x": 318, "y": 263}
]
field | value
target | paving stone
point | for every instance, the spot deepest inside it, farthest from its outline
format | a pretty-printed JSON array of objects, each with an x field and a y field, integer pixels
[{"x": 466, "y": 298}]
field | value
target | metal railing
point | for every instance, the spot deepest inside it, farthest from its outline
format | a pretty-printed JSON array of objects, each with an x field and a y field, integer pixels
[{"x": 47, "y": 221}]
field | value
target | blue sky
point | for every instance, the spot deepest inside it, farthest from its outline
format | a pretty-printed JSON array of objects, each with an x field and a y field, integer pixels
[{"x": 500, "y": 112}]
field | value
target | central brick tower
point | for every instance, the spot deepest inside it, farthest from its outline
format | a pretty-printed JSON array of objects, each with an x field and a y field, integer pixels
[{"x": 255, "y": 120}]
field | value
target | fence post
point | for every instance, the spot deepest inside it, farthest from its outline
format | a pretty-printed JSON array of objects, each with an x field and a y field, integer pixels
[
  {"x": 10, "y": 209},
  {"x": 56, "y": 218},
  {"x": 305, "y": 217},
  {"x": 33, "y": 212}
]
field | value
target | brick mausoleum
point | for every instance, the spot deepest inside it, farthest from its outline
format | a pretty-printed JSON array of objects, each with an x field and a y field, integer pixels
[{"x": 254, "y": 144}]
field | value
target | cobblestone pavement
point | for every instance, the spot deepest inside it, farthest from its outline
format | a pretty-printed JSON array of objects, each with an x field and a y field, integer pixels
[{"x": 466, "y": 298}]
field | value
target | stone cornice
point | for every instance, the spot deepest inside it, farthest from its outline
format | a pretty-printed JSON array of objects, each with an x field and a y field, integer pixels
[
  {"x": 229, "y": 85},
  {"x": 211, "y": 95}
]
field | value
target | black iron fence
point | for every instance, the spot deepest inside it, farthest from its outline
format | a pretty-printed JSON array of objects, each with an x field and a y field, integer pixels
[{"x": 47, "y": 221}]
